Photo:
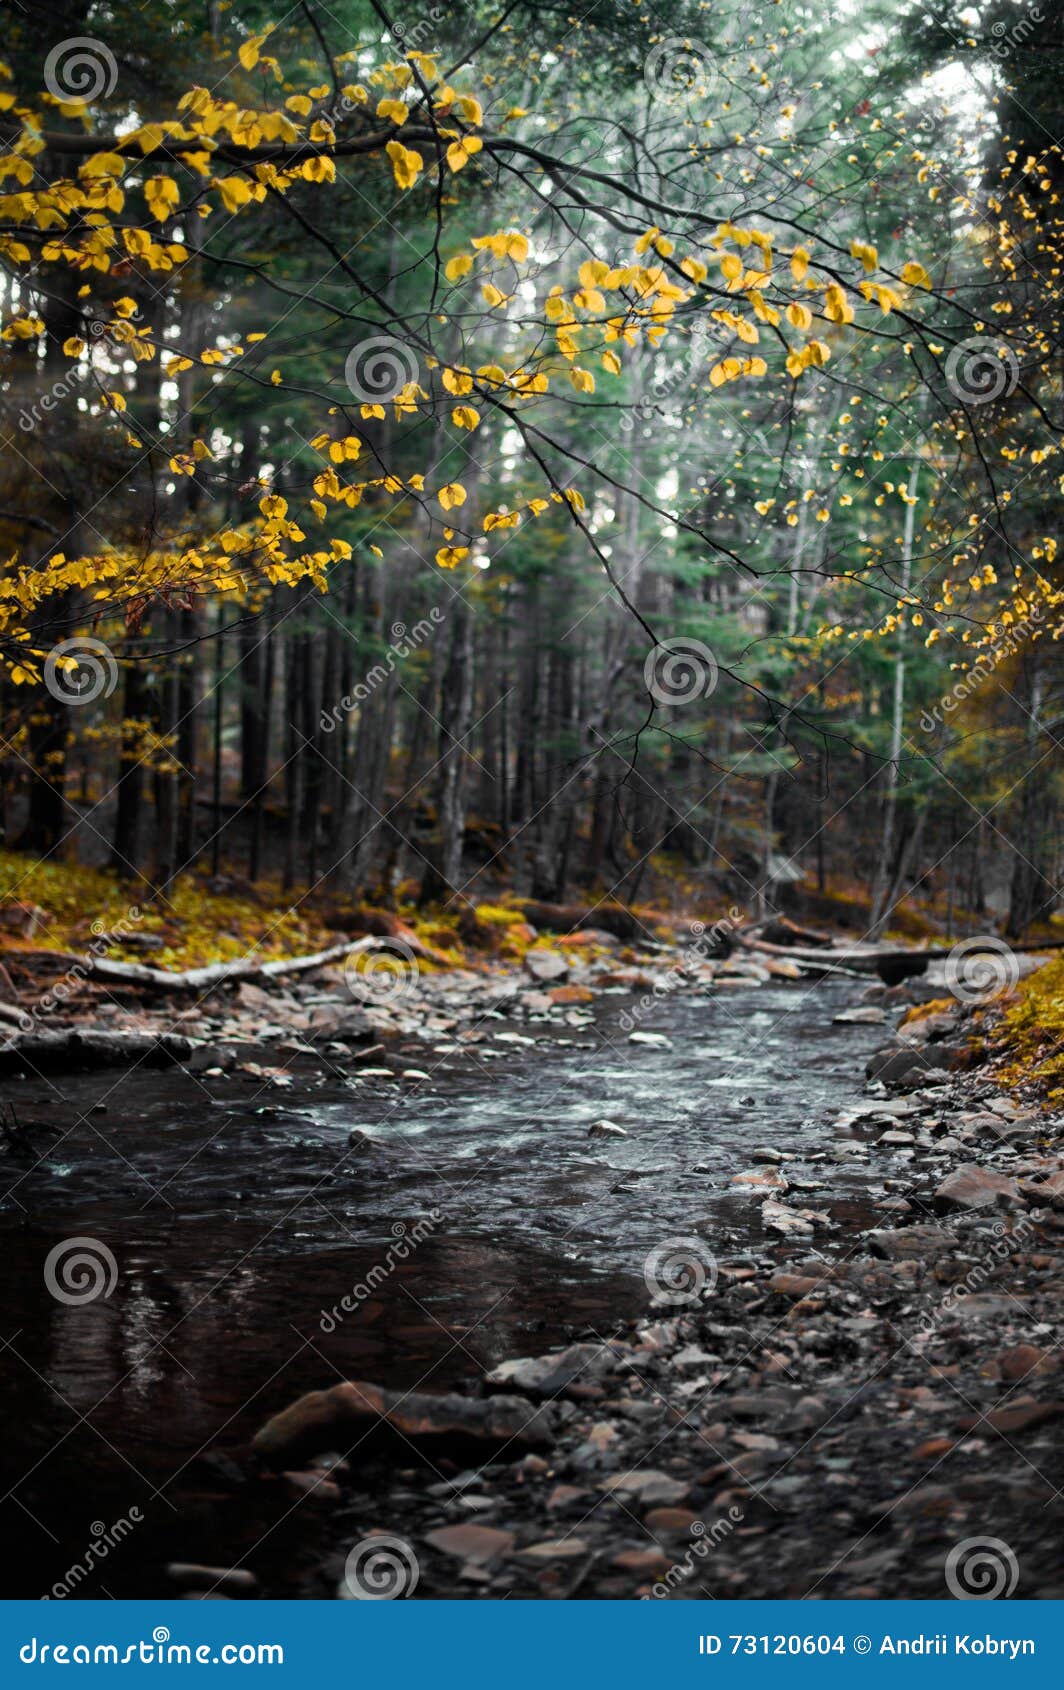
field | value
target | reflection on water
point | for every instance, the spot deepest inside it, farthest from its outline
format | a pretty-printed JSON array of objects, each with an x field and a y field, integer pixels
[{"x": 236, "y": 1225}]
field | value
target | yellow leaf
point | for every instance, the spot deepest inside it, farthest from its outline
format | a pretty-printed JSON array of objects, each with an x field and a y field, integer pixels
[
  {"x": 452, "y": 495},
  {"x": 915, "y": 276},
  {"x": 457, "y": 267},
  {"x": 464, "y": 416},
  {"x": 406, "y": 164}
]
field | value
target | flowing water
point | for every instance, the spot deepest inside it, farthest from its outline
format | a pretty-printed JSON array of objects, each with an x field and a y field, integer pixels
[{"x": 480, "y": 1221}]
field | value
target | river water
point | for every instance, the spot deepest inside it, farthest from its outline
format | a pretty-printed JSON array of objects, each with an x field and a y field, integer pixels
[{"x": 480, "y": 1221}]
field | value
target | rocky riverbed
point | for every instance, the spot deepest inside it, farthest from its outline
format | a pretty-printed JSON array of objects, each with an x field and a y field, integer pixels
[{"x": 803, "y": 1342}]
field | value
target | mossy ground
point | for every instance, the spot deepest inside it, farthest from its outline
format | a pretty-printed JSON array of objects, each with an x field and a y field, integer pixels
[{"x": 1027, "y": 1040}]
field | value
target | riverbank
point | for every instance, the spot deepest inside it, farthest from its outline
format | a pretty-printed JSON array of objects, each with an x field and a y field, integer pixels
[{"x": 789, "y": 1410}]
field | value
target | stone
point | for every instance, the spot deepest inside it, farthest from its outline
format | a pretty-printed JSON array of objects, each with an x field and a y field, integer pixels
[
  {"x": 1023, "y": 1361},
  {"x": 606, "y": 1129},
  {"x": 971, "y": 1187},
  {"x": 327, "y": 1420},
  {"x": 546, "y": 1376},
  {"x": 777, "y": 1217},
  {"x": 545, "y": 966},
  {"x": 479, "y": 1544},
  {"x": 910, "y": 1242},
  {"x": 558, "y": 1549},
  {"x": 871, "y": 1015},
  {"x": 761, "y": 1179},
  {"x": 1022, "y": 1417},
  {"x": 647, "y": 1485},
  {"x": 793, "y": 1284},
  {"x": 653, "y": 1041},
  {"x": 571, "y": 994},
  {"x": 648, "y": 1561},
  {"x": 670, "y": 1520},
  {"x": 230, "y": 1581}
]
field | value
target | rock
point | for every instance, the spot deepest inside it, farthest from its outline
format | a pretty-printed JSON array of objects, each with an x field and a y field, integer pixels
[
  {"x": 896, "y": 1136},
  {"x": 793, "y": 1284},
  {"x": 670, "y": 1520},
  {"x": 648, "y": 1485},
  {"x": 1023, "y": 1361},
  {"x": 654, "y": 1041},
  {"x": 230, "y": 1581},
  {"x": 904, "y": 1065},
  {"x": 22, "y": 918},
  {"x": 971, "y": 1187},
  {"x": 546, "y": 1376},
  {"x": 559, "y": 1549},
  {"x": 762, "y": 1179},
  {"x": 606, "y": 1129},
  {"x": 479, "y": 1544},
  {"x": 326, "y": 1420},
  {"x": 544, "y": 966},
  {"x": 910, "y": 1242},
  {"x": 766, "y": 1153},
  {"x": 1008, "y": 1421},
  {"x": 571, "y": 994},
  {"x": 646, "y": 1561},
  {"x": 563, "y": 1496},
  {"x": 871, "y": 1015},
  {"x": 777, "y": 1217}
]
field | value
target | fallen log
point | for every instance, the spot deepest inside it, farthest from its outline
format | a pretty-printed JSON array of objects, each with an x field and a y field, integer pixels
[
  {"x": 92, "y": 1048},
  {"x": 205, "y": 979},
  {"x": 891, "y": 962}
]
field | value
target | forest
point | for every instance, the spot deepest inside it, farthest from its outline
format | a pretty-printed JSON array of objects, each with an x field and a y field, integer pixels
[
  {"x": 632, "y": 460},
  {"x": 528, "y": 591}
]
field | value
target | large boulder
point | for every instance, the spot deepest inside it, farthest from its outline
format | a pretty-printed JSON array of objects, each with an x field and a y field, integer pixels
[{"x": 327, "y": 1420}]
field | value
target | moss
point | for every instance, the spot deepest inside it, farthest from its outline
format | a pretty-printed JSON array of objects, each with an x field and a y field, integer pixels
[{"x": 1027, "y": 1041}]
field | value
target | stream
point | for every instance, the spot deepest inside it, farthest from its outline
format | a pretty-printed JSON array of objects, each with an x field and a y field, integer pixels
[{"x": 476, "y": 1221}]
